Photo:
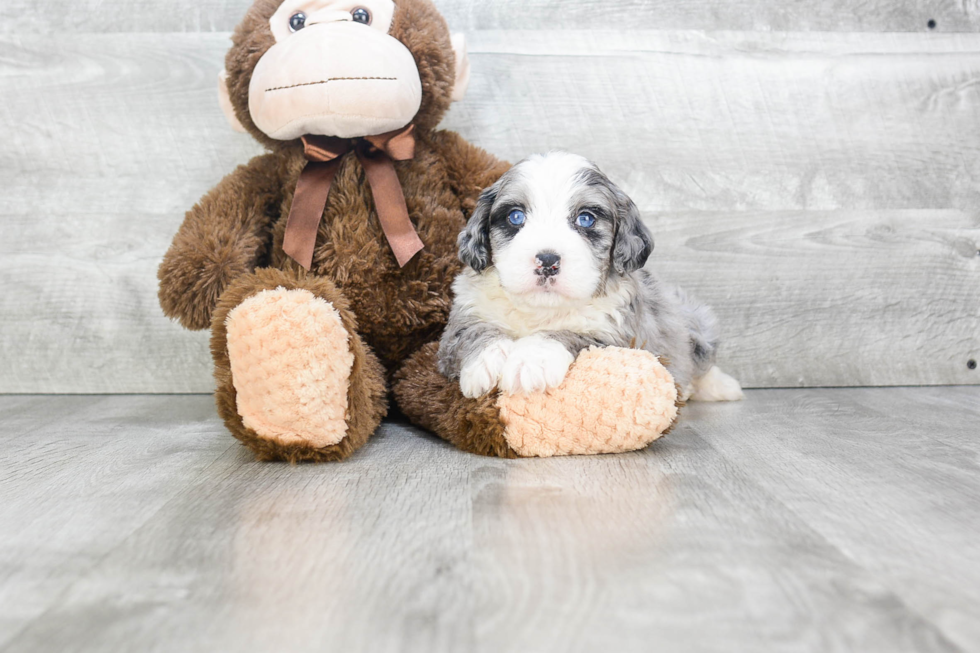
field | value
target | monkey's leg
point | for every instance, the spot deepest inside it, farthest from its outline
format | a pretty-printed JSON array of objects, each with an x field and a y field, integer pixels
[
  {"x": 294, "y": 380},
  {"x": 612, "y": 400}
]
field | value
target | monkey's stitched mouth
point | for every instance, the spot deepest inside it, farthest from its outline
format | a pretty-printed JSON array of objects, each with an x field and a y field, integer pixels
[{"x": 331, "y": 79}]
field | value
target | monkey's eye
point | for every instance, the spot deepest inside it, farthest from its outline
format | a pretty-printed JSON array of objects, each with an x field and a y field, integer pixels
[
  {"x": 585, "y": 219},
  {"x": 361, "y": 15},
  {"x": 297, "y": 21},
  {"x": 516, "y": 217}
]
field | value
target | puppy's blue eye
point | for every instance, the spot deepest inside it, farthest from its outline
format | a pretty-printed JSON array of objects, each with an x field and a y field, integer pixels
[
  {"x": 361, "y": 15},
  {"x": 586, "y": 220},
  {"x": 297, "y": 21},
  {"x": 516, "y": 217}
]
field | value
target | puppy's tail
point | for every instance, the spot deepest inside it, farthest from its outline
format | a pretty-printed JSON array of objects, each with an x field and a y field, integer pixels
[{"x": 702, "y": 328}]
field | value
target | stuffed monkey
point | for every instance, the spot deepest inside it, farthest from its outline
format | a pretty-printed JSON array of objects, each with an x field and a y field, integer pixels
[{"x": 323, "y": 267}]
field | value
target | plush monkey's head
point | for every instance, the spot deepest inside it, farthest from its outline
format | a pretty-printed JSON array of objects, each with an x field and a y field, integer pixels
[{"x": 344, "y": 68}]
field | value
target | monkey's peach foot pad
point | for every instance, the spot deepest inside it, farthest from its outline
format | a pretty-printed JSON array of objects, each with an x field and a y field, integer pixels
[
  {"x": 291, "y": 365},
  {"x": 612, "y": 400}
]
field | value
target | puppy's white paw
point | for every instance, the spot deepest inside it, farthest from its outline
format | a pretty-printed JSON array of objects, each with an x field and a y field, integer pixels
[
  {"x": 481, "y": 373},
  {"x": 536, "y": 363},
  {"x": 715, "y": 385},
  {"x": 686, "y": 392}
]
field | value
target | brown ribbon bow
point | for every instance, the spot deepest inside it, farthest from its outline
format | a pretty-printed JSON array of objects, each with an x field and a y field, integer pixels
[{"x": 323, "y": 155}]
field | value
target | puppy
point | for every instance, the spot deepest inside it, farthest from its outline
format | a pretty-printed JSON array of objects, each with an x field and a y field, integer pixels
[{"x": 554, "y": 254}]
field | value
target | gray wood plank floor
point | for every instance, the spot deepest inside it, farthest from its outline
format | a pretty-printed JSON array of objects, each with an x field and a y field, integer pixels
[{"x": 798, "y": 520}]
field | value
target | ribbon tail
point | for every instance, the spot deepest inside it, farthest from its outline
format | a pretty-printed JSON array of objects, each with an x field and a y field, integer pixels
[
  {"x": 390, "y": 204},
  {"x": 305, "y": 214}
]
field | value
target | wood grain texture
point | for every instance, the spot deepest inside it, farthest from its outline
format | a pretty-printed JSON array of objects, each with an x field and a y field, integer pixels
[
  {"x": 78, "y": 476},
  {"x": 803, "y": 520},
  {"x": 736, "y": 121},
  {"x": 746, "y": 142},
  {"x": 104, "y": 150},
  {"x": 47, "y": 16},
  {"x": 889, "y": 502},
  {"x": 827, "y": 298}
]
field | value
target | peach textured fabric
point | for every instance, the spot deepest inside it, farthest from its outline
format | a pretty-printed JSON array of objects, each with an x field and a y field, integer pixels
[
  {"x": 612, "y": 400},
  {"x": 291, "y": 364}
]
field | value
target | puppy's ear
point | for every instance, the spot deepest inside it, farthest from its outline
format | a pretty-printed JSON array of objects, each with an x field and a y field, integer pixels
[
  {"x": 633, "y": 243},
  {"x": 474, "y": 240}
]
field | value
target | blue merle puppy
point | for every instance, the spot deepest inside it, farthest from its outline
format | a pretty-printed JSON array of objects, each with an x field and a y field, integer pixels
[{"x": 555, "y": 254}]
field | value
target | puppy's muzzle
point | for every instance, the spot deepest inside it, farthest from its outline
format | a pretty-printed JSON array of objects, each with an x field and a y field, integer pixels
[{"x": 549, "y": 264}]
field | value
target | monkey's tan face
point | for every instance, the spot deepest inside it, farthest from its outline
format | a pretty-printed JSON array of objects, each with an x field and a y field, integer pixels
[{"x": 334, "y": 71}]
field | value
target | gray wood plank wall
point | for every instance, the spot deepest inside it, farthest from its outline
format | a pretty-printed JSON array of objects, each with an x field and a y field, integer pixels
[{"x": 810, "y": 169}]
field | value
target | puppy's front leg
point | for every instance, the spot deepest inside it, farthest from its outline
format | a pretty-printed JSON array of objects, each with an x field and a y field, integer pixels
[
  {"x": 540, "y": 361},
  {"x": 473, "y": 352},
  {"x": 481, "y": 373}
]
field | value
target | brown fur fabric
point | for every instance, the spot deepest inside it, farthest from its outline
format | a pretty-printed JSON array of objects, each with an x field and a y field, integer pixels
[
  {"x": 223, "y": 237},
  {"x": 230, "y": 244},
  {"x": 251, "y": 39},
  {"x": 423, "y": 30},
  {"x": 435, "y": 403},
  {"x": 366, "y": 396}
]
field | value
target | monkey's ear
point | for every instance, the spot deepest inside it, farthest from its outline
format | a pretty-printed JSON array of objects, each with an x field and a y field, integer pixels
[
  {"x": 474, "y": 240},
  {"x": 224, "y": 99},
  {"x": 462, "y": 67}
]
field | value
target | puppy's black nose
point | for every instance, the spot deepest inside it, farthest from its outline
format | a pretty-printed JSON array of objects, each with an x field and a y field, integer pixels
[{"x": 548, "y": 263}]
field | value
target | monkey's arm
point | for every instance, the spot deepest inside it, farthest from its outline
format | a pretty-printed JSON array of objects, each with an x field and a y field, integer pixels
[
  {"x": 224, "y": 236},
  {"x": 471, "y": 168}
]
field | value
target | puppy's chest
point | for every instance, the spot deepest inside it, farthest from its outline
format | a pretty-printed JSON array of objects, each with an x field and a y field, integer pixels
[{"x": 603, "y": 319}]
